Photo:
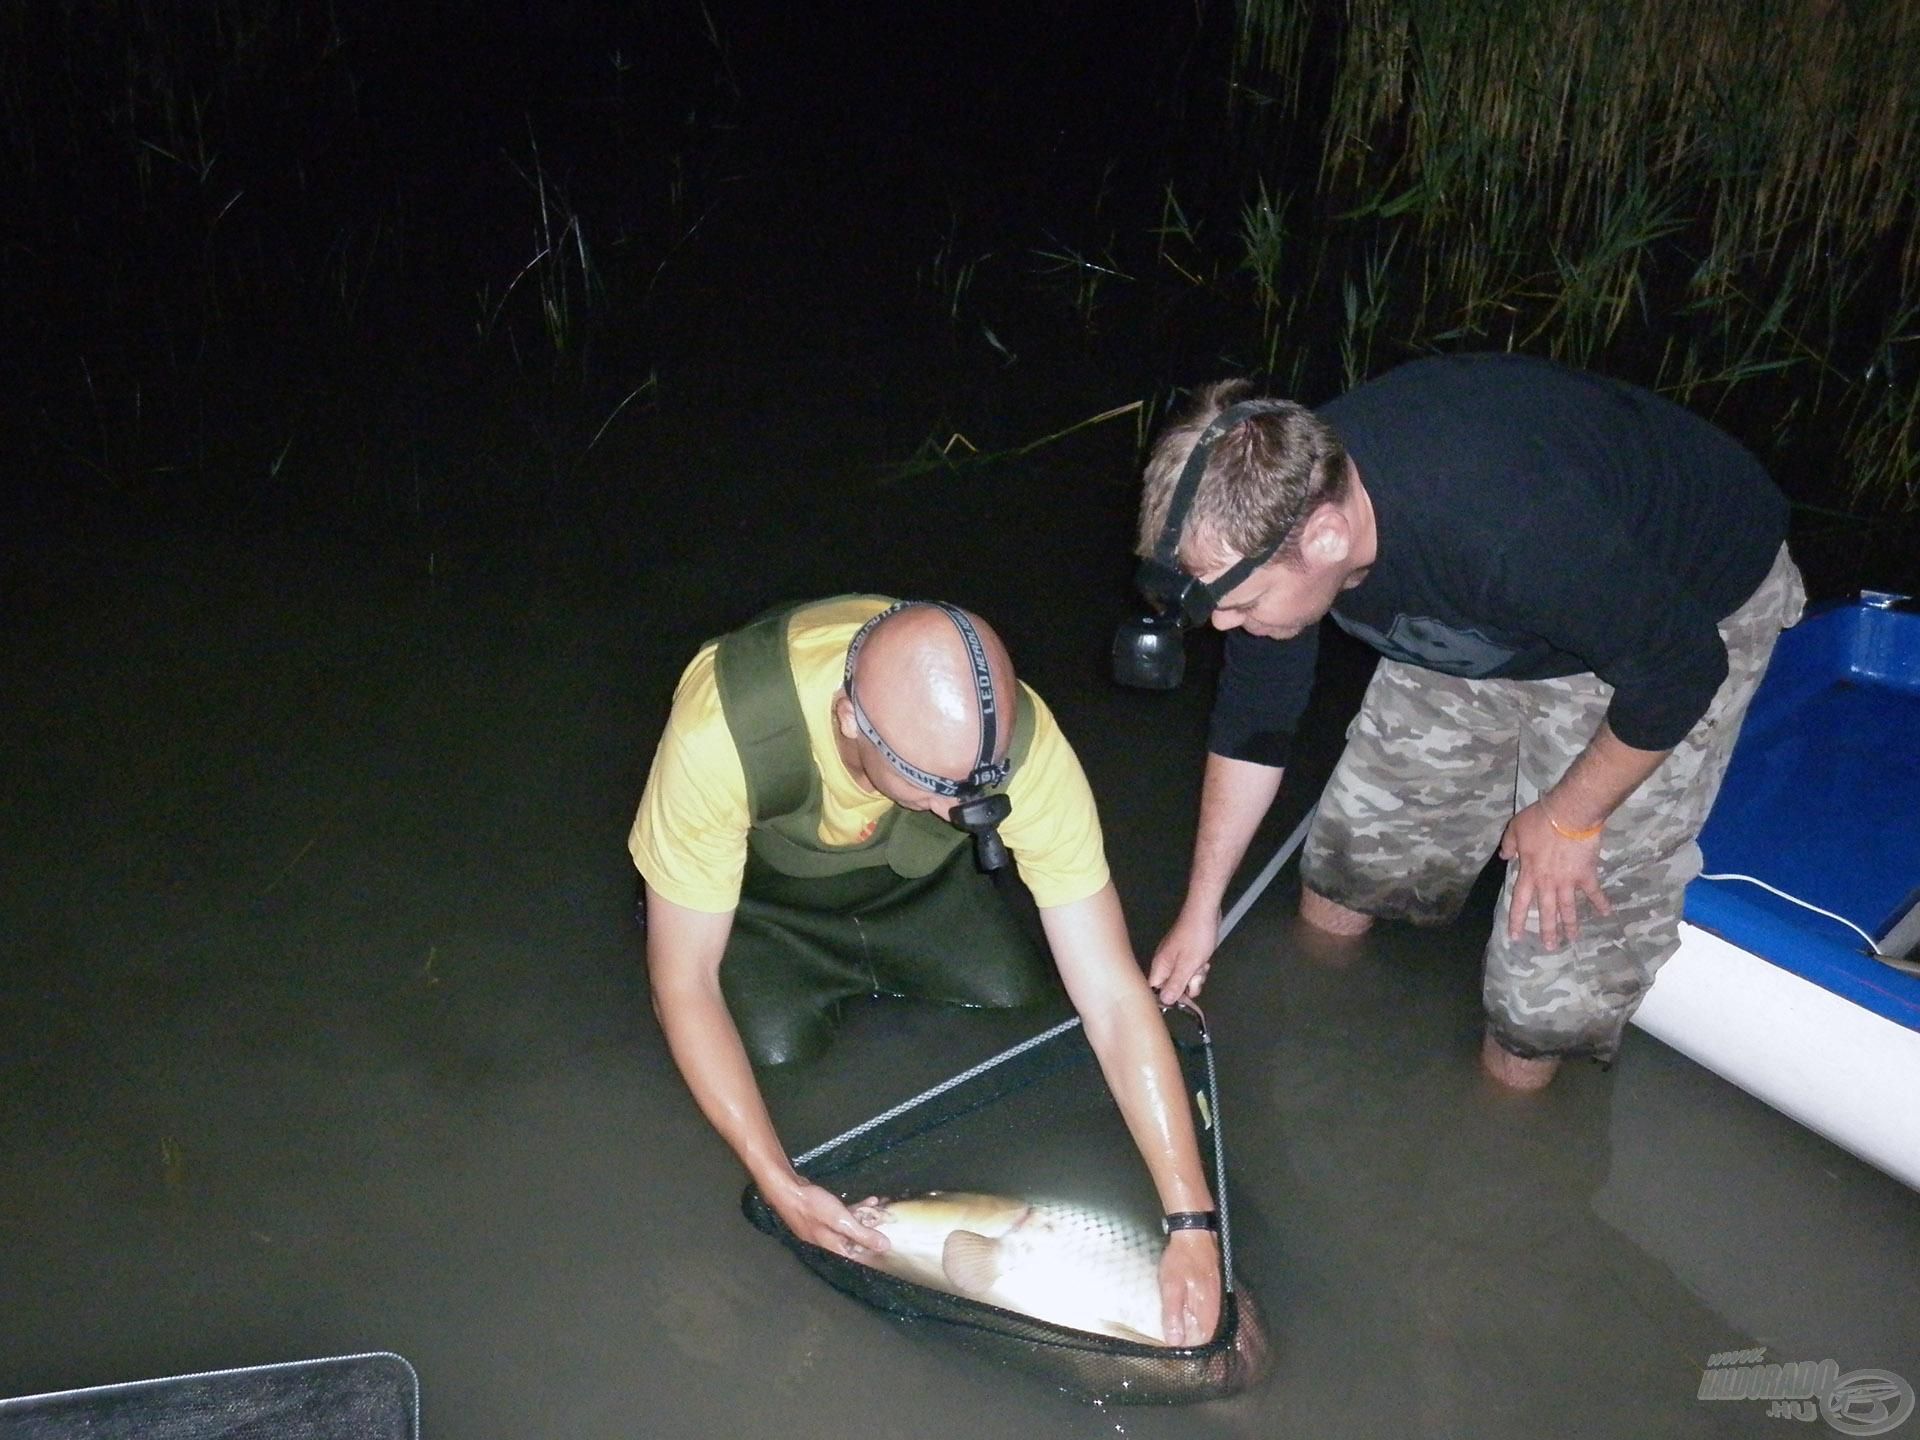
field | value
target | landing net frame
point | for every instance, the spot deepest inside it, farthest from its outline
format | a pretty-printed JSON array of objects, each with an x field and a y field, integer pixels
[{"x": 898, "y": 1151}]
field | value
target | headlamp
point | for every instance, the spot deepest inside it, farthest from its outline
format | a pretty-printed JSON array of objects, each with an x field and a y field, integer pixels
[
  {"x": 978, "y": 813},
  {"x": 1149, "y": 649},
  {"x": 1185, "y": 599},
  {"x": 980, "y": 817}
]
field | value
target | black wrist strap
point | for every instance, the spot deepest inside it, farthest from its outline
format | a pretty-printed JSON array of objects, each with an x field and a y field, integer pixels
[{"x": 1190, "y": 1220}]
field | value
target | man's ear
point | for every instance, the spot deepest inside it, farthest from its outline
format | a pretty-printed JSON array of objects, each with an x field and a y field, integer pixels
[
  {"x": 1328, "y": 539},
  {"x": 843, "y": 716}
]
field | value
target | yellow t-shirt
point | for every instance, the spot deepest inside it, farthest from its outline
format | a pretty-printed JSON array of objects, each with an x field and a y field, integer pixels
[{"x": 689, "y": 837}]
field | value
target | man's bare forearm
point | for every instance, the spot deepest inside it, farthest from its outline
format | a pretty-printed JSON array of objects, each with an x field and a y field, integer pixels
[
  {"x": 683, "y": 963},
  {"x": 1235, "y": 796},
  {"x": 1600, "y": 779},
  {"x": 1128, "y": 1035}
]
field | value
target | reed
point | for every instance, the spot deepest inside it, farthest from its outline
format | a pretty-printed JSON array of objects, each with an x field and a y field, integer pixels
[
  {"x": 947, "y": 274},
  {"x": 1366, "y": 303},
  {"x": 1175, "y": 226},
  {"x": 231, "y": 282},
  {"x": 561, "y": 275},
  {"x": 1718, "y": 194},
  {"x": 936, "y": 455},
  {"x": 1883, "y": 444},
  {"x": 1263, "y": 238},
  {"x": 137, "y": 163},
  {"x": 1085, "y": 278}
]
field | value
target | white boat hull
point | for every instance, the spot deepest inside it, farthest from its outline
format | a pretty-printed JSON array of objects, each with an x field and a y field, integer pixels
[{"x": 1834, "y": 1066}]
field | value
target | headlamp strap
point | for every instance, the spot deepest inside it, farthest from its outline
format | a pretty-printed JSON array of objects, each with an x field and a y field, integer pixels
[
  {"x": 1166, "y": 550},
  {"x": 986, "y": 772}
]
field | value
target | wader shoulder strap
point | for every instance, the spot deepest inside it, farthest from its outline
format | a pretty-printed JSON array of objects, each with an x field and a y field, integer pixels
[
  {"x": 761, "y": 704},
  {"x": 762, "y": 710}
]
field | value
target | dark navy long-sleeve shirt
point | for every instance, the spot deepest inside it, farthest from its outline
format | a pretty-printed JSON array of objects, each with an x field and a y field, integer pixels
[{"x": 1533, "y": 521}]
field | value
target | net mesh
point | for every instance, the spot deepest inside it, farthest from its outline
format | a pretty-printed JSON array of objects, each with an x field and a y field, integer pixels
[{"x": 1037, "y": 1121}]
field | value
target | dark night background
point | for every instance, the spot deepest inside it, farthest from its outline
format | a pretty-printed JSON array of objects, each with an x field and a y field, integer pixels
[
  {"x": 394, "y": 396},
  {"x": 291, "y": 335},
  {"x": 278, "y": 265}
]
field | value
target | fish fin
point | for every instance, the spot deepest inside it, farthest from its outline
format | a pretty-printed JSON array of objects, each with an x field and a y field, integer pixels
[{"x": 971, "y": 1261}]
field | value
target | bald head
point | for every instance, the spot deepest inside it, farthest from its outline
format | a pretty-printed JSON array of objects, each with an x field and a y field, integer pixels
[{"x": 914, "y": 676}]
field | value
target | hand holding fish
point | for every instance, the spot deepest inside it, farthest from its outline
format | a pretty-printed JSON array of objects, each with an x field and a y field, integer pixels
[
  {"x": 1055, "y": 1260},
  {"x": 1190, "y": 1287},
  {"x": 818, "y": 1217}
]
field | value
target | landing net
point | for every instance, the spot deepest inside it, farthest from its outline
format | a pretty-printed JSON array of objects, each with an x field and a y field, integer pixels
[{"x": 1036, "y": 1121}]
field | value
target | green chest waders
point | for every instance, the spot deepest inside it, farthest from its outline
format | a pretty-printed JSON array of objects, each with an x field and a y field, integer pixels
[{"x": 903, "y": 912}]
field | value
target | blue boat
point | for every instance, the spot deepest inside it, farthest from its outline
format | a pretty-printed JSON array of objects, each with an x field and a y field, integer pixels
[{"x": 1798, "y": 973}]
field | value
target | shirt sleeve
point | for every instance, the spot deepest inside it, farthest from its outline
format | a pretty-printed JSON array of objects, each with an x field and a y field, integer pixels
[
  {"x": 689, "y": 837},
  {"x": 1261, "y": 696},
  {"x": 1665, "y": 684},
  {"x": 1053, "y": 829}
]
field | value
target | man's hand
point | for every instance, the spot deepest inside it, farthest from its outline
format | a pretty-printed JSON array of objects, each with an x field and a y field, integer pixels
[
  {"x": 1190, "y": 1288},
  {"x": 1553, "y": 872},
  {"x": 1181, "y": 963},
  {"x": 818, "y": 1217}
]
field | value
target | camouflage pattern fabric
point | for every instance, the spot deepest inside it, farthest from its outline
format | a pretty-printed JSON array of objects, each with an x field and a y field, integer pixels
[{"x": 1436, "y": 765}]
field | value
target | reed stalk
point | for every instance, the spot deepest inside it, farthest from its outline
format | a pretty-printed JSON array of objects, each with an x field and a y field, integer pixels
[{"x": 1713, "y": 195}]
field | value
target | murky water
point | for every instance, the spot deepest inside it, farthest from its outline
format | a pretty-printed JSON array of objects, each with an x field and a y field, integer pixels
[{"x": 326, "y": 1032}]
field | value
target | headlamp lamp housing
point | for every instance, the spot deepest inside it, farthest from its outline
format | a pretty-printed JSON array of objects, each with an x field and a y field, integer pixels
[
  {"x": 1149, "y": 650},
  {"x": 980, "y": 817},
  {"x": 1185, "y": 600}
]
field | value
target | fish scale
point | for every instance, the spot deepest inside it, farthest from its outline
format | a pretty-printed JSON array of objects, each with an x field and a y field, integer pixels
[{"x": 1059, "y": 1261}]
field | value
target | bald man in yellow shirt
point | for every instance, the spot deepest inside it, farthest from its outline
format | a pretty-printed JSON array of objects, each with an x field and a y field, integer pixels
[{"x": 803, "y": 839}]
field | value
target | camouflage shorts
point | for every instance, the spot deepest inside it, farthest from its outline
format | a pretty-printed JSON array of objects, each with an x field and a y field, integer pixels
[{"x": 1434, "y": 768}]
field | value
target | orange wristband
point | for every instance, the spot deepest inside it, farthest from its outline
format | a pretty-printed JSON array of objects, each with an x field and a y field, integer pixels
[{"x": 1566, "y": 834}]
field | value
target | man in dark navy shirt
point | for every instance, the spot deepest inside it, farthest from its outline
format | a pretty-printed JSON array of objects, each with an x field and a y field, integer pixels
[{"x": 1576, "y": 586}]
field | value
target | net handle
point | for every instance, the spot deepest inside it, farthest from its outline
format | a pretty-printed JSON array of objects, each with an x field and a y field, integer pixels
[
  {"x": 952, "y": 1082},
  {"x": 1219, "y": 1145}
]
